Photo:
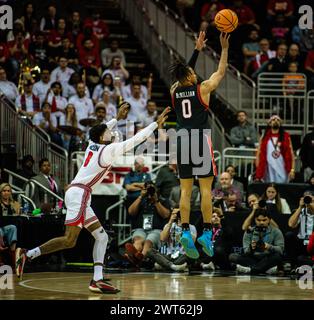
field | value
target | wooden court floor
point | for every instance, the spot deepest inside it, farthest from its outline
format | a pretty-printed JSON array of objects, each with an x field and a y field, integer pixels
[{"x": 155, "y": 286}]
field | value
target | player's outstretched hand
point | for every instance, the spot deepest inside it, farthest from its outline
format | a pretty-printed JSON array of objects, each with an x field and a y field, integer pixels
[
  {"x": 224, "y": 40},
  {"x": 200, "y": 42},
  {"x": 163, "y": 117},
  {"x": 123, "y": 111}
]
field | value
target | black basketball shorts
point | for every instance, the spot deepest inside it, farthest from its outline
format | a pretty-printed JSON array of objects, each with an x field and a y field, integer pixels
[{"x": 195, "y": 156}]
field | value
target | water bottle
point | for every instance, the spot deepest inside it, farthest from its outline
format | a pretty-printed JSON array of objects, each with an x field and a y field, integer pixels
[{"x": 25, "y": 207}]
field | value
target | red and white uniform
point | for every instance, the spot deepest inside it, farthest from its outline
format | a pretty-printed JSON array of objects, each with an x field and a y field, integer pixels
[{"x": 97, "y": 163}]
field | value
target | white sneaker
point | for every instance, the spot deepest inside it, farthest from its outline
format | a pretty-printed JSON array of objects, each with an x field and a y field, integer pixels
[
  {"x": 178, "y": 267},
  {"x": 208, "y": 266},
  {"x": 242, "y": 269},
  {"x": 158, "y": 267},
  {"x": 272, "y": 270}
]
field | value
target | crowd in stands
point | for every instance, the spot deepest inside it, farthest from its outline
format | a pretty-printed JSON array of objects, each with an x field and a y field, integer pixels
[
  {"x": 83, "y": 78},
  {"x": 268, "y": 37},
  {"x": 56, "y": 68}
]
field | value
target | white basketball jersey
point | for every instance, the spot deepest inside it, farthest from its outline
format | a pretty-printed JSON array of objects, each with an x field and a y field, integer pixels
[
  {"x": 92, "y": 172},
  {"x": 99, "y": 158}
]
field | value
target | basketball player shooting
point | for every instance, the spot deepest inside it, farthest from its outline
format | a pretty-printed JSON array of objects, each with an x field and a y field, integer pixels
[
  {"x": 190, "y": 101},
  {"x": 99, "y": 156}
]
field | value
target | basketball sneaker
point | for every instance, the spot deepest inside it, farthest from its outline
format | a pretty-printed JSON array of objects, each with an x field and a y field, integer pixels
[
  {"x": 205, "y": 240},
  {"x": 102, "y": 286},
  {"x": 20, "y": 259},
  {"x": 188, "y": 245}
]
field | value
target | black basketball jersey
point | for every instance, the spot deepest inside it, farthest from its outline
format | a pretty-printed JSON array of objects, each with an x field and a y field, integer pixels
[{"x": 190, "y": 109}]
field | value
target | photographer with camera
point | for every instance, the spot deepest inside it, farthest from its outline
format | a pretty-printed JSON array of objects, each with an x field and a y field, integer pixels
[
  {"x": 303, "y": 219},
  {"x": 134, "y": 181},
  {"x": 254, "y": 203},
  {"x": 148, "y": 214},
  {"x": 263, "y": 247},
  {"x": 172, "y": 255}
]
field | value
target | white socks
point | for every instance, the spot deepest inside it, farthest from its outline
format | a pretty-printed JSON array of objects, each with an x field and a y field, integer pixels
[
  {"x": 34, "y": 253},
  {"x": 99, "y": 250},
  {"x": 98, "y": 275}
]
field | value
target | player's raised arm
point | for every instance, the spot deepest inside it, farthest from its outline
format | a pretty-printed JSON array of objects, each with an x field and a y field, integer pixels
[
  {"x": 212, "y": 83},
  {"x": 115, "y": 150},
  {"x": 200, "y": 43}
]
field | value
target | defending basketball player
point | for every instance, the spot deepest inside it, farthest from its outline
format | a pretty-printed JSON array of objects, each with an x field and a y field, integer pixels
[
  {"x": 99, "y": 156},
  {"x": 191, "y": 101}
]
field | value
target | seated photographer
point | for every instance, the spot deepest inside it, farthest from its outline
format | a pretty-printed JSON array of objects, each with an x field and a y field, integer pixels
[
  {"x": 148, "y": 214},
  {"x": 263, "y": 247},
  {"x": 135, "y": 180},
  {"x": 172, "y": 255},
  {"x": 254, "y": 203},
  {"x": 302, "y": 220},
  {"x": 222, "y": 241},
  {"x": 272, "y": 196}
]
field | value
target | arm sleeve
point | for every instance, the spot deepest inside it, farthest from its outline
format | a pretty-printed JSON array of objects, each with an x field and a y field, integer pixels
[
  {"x": 115, "y": 150},
  {"x": 193, "y": 59},
  {"x": 111, "y": 124}
]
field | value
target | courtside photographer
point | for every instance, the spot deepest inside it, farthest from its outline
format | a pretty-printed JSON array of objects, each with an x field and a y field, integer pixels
[
  {"x": 263, "y": 246},
  {"x": 302, "y": 220},
  {"x": 148, "y": 215}
]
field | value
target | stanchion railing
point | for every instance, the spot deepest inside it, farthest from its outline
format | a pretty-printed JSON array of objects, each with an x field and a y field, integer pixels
[
  {"x": 309, "y": 111},
  {"x": 283, "y": 94},
  {"x": 242, "y": 159},
  {"x": 18, "y": 131}
]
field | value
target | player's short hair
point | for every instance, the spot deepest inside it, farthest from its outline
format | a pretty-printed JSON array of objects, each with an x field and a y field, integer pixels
[
  {"x": 96, "y": 132},
  {"x": 179, "y": 70}
]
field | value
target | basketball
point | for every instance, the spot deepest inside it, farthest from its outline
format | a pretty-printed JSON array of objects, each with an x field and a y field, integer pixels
[{"x": 226, "y": 20}]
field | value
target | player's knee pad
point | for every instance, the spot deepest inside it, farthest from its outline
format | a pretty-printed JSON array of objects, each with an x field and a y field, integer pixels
[{"x": 100, "y": 235}]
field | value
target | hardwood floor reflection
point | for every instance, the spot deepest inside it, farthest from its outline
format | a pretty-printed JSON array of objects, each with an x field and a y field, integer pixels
[{"x": 155, "y": 286}]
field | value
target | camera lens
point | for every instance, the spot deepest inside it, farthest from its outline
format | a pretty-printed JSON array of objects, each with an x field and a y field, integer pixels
[
  {"x": 307, "y": 199},
  {"x": 262, "y": 203}
]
